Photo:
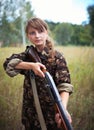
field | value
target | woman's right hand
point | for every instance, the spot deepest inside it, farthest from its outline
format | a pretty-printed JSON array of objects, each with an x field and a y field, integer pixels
[{"x": 37, "y": 68}]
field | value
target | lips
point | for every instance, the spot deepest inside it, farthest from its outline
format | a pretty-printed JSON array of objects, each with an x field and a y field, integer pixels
[{"x": 38, "y": 41}]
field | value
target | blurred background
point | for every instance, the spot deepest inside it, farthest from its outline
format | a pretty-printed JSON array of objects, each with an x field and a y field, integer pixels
[{"x": 74, "y": 37}]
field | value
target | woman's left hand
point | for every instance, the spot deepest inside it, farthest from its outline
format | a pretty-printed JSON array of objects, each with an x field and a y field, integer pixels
[{"x": 58, "y": 119}]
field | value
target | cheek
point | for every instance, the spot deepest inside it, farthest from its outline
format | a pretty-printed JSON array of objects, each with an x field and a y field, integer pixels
[
  {"x": 30, "y": 37},
  {"x": 45, "y": 37}
]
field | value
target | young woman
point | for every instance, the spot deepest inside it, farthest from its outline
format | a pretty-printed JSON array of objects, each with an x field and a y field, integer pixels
[{"x": 51, "y": 60}]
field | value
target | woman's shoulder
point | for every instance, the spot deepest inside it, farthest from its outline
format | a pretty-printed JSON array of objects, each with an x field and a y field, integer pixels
[{"x": 59, "y": 54}]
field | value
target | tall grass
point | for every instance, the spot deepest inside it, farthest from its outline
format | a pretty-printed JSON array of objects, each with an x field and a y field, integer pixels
[
  {"x": 81, "y": 103},
  {"x": 10, "y": 95}
]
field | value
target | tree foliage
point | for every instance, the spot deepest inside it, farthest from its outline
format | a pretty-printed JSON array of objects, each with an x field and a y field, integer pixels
[
  {"x": 14, "y": 14},
  {"x": 91, "y": 20},
  {"x": 63, "y": 33}
]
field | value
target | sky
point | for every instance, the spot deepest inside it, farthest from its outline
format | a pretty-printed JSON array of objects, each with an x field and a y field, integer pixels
[{"x": 72, "y": 11}]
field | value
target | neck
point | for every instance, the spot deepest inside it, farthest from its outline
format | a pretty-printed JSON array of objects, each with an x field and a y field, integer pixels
[{"x": 40, "y": 48}]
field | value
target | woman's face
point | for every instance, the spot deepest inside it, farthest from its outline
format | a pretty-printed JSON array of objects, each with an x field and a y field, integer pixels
[{"x": 38, "y": 38}]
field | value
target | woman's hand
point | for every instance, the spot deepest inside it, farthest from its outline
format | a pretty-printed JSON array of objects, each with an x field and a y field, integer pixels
[
  {"x": 58, "y": 119},
  {"x": 64, "y": 96},
  {"x": 37, "y": 68}
]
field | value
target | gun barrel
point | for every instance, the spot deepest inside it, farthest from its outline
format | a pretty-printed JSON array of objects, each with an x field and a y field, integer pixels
[{"x": 58, "y": 100}]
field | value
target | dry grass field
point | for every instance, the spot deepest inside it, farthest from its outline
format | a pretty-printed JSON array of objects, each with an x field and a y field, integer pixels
[{"x": 81, "y": 104}]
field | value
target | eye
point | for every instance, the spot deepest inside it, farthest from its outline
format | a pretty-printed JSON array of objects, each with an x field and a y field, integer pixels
[
  {"x": 40, "y": 31},
  {"x": 32, "y": 33}
]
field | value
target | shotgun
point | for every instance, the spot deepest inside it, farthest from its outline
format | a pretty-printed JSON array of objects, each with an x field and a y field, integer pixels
[{"x": 65, "y": 124}]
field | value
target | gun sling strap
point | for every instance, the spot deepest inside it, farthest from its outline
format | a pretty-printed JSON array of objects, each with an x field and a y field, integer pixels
[{"x": 37, "y": 103}]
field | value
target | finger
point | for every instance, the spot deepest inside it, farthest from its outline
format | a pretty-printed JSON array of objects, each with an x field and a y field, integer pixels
[
  {"x": 59, "y": 123},
  {"x": 58, "y": 120},
  {"x": 69, "y": 117},
  {"x": 57, "y": 117},
  {"x": 40, "y": 73},
  {"x": 42, "y": 67}
]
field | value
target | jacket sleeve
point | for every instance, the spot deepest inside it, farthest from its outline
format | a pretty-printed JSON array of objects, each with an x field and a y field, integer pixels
[
  {"x": 12, "y": 61},
  {"x": 62, "y": 75}
]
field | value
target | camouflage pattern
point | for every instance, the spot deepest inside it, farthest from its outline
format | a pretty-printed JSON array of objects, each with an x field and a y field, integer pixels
[{"x": 58, "y": 69}]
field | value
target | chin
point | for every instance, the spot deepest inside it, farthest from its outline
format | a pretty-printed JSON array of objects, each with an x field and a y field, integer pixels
[{"x": 38, "y": 44}]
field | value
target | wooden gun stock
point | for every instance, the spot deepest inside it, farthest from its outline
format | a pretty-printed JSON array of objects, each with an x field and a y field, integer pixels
[{"x": 32, "y": 54}]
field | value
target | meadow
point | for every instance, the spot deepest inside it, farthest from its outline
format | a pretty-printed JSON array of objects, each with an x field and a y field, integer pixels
[{"x": 80, "y": 61}]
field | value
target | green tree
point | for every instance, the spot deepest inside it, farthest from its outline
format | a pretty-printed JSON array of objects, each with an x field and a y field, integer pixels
[
  {"x": 81, "y": 35},
  {"x": 5, "y": 17},
  {"x": 63, "y": 33},
  {"x": 90, "y": 10},
  {"x": 3, "y": 30},
  {"x": 13, "y": 15},
  {"x": 85, "y": 37}
]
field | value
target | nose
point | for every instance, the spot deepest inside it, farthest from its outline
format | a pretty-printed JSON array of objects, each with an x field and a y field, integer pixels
[{"x": 37, "y": 34}]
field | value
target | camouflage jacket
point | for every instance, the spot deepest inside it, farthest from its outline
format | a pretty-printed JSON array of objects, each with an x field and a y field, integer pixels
[{"x": 57, "y": 67}]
